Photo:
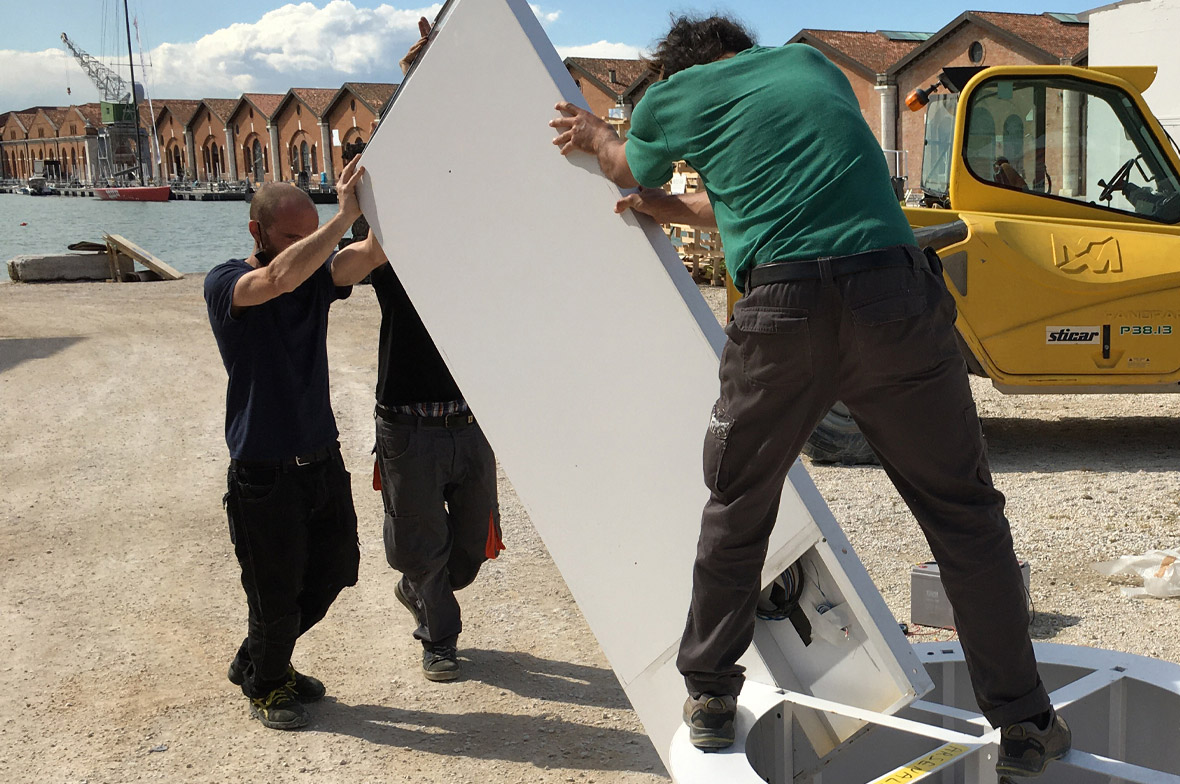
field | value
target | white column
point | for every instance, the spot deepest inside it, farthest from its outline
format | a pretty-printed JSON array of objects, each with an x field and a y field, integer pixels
[
  {"x": 276, "y": 162},
  {"x": 231, "y": 152},
  {"x": 326, "y": 151},
  {"x": 190, "y": 147},
  {"x": 887, "y": 96}
]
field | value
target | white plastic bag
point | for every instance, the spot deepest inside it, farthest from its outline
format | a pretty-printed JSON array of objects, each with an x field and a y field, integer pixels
[{"x": 1160, "y": 570}]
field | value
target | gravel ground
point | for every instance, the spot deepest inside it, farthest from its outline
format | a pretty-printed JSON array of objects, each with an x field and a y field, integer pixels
[{"x": 121, "y": 602}]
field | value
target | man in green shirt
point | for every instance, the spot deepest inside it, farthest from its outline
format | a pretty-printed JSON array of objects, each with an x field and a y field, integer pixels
[{"x": 839, "y": 305}]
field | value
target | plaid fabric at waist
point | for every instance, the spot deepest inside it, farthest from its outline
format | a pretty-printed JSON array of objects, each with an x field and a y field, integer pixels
[
  {"x": 445, "y": 408},
  {"x": 407, "y": 415}
]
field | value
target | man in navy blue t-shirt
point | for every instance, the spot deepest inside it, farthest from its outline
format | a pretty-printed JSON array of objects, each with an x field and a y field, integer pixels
[{"x": 289, "y": 502}]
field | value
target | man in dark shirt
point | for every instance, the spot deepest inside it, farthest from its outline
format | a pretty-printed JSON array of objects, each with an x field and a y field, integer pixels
[
  {"x": 436, "y": 470},
  {"x": 437, "y": 477},
  {"x": 289, "y": 500}
]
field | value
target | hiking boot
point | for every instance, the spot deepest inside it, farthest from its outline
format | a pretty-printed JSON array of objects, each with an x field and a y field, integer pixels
[
  {"x": 403, "y": 596},
  {"x": 303, "y": 687},
  {"x": 440, "y": 663},
  {"x": 279, "y": 710},
  {"x": 1025, "y": 748},
  {"x": 710, "y": 721}
]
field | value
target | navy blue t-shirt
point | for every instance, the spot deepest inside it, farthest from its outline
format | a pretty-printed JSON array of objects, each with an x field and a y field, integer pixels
[{"x": 277, "y": 404}]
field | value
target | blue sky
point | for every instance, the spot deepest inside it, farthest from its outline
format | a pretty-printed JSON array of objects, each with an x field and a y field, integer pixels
[{"x": 220, "y": 48}]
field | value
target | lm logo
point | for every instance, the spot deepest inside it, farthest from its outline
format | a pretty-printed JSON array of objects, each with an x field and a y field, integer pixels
[
  {"x": 1098, "y": 256},
  {"x": 1072, "y": 335}
]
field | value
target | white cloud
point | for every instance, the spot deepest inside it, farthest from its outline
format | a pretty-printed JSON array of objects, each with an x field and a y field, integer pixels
[
  {"x": 43, "y": 78},
  {"x": 295, "y": 45},
  {"x": 546, "y": 17},
  {"x": 602, "y": 49}
]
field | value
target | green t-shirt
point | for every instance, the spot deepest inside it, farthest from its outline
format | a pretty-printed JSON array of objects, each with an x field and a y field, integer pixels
[{"x": 790, "y": 166}]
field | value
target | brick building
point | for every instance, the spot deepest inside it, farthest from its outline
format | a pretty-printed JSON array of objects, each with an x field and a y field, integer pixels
[
  {"x": 349, "y": 116},
  {"x": 177, "y": 150},
  {"x": 257, "y": 137},
  {"x": 252, "y": 122}
]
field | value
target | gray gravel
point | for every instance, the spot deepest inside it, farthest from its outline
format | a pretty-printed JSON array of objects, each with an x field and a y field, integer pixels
[{"x": 122, "y": 604}]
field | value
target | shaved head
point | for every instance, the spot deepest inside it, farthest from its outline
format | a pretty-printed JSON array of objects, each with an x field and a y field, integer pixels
[
  {"x": 272, "y": 197},
  {"x": 280, "y": 215}
]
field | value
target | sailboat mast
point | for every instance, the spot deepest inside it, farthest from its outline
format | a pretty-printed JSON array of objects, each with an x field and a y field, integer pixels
[
  {"x": 134, "y": 100},
  {"x": 154, "y": 146}
]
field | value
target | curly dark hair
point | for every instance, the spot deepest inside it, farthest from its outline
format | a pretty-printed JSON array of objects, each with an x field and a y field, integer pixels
[{"x": 695, "y": 40}]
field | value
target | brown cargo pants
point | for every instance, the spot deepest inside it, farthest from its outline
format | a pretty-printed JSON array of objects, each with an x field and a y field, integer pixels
[{"x": 883, "y": 342}]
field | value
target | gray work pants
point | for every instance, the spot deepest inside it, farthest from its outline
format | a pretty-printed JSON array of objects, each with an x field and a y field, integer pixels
[
  {"x": 438, "y": 485},
  {"x": 883, "y": 342}
]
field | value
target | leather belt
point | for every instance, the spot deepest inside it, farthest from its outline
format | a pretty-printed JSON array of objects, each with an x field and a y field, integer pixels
[
  {"x": 310, "y": 458},
  {"x": 833, "y": 266},
  {"x": 461, "y": 419}
]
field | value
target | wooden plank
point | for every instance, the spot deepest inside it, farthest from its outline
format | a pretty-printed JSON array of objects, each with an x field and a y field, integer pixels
[{"x": 156, "y": 265}]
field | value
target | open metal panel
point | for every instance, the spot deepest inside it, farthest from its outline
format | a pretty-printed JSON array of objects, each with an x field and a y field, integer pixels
[
  {"x": 1124, "y": 711},
  {"x": 590, "y": 359}
]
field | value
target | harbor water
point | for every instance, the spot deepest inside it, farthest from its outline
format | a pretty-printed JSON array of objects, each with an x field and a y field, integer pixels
[{"x": 192, "y": 236}]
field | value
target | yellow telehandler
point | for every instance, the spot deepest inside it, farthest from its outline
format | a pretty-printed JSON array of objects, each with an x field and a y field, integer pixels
[{"x": 1053, "y": 196}]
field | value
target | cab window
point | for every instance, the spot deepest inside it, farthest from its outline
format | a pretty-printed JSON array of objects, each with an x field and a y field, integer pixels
[{"x": 1070, "y": 139}]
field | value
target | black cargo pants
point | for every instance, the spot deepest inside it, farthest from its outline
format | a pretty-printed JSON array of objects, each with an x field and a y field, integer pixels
[
  {"x": 883, "y": 342},
  {"x": 442, "y": 516},
  {"x": 294, "y": 532}
]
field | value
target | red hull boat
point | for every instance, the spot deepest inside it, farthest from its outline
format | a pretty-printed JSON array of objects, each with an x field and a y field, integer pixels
[{"x": 135, "y": 193}]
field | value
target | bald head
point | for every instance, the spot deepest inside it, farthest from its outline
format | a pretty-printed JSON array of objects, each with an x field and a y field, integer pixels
[
  {"x": 280, "y": 215},
  {"x": 272, "y": 197}
]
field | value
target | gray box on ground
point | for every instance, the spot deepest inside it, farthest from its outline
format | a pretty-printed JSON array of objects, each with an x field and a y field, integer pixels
[{"x": 928, "y": 603}]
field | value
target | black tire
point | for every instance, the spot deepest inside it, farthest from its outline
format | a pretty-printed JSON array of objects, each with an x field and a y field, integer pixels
[{"x": 837, "y": 439}]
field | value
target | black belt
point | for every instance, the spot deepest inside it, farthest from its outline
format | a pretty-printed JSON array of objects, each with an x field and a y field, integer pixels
[
  {"x": 310, "y": 458},
  {"x": 832, "y": 266},
  {"x": 462, "y": 419}
]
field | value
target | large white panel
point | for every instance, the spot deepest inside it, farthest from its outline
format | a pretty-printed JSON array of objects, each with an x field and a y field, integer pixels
[{"x": 582, "y": 345}]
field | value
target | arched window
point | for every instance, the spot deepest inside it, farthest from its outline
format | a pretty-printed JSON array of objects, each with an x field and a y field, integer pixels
[
  {"x": 304, "y": 157},
  {"x": 315, "y": 166}
]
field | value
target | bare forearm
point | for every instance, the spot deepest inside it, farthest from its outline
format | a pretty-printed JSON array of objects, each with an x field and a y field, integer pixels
[
  {"x": 357, "y": 260},
  {"x": 692, "y": 209},
  {"x": 612, "y": 159}
]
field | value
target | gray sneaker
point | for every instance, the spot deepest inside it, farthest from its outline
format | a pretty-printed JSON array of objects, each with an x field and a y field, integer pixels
[
  {"x": 710, "y": 721},
  {"x": 440, "y": 663},
  {"x": 1026, "y": 749}
]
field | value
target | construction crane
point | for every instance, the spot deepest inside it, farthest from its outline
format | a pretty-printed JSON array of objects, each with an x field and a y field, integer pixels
[{"x": 110, "y": 85}]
